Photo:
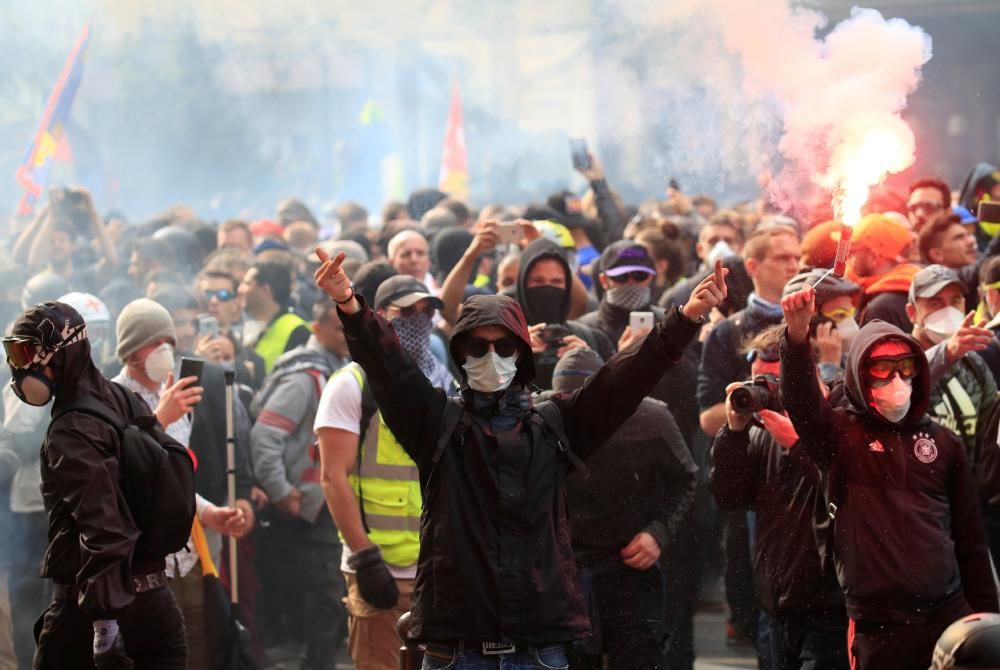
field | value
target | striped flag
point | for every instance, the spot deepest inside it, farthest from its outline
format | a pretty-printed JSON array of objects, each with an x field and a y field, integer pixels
[{"x": 49, "y": 142}]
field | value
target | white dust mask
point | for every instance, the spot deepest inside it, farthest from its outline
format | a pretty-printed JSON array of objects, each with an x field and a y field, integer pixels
[
  {"x": 891, "y": 399},
  {"x": 490, "y": 373},
  {"x": 942, "y": 324},
  {"x": 160, "y": 363}
]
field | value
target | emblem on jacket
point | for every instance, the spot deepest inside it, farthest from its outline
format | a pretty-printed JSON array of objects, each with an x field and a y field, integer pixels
[
  {"x": 876, "y": 446},
  {"x": 924, "y": 448}
]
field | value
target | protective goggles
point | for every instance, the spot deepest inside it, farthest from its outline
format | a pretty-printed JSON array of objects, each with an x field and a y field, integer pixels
[
  {"x": 477, "y": 347},
  {"x": 22, "y": 352},
  {"x": 839, "y": 314},
  {"x": 222, "y": 295},
  {"x": 987, "y": 287},
  {"x": 884, "y": 368}
]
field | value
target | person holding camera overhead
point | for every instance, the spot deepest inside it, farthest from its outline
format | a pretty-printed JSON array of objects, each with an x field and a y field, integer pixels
[{"x": 759, "y": 464}]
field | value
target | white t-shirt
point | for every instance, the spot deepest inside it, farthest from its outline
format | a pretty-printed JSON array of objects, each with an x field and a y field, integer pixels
[{"x": 340, "y": 407}]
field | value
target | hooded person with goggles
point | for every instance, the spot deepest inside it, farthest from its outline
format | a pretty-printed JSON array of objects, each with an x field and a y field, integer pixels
[
  {"x": 98, "y": 617},
  {"x": 911, "y": 554},
  {"x": 496, "y": 578}
]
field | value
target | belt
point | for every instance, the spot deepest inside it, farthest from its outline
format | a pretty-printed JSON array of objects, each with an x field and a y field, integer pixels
[
  {"x": 150, "y": 582},
  {"x": 489, "y": 648}
]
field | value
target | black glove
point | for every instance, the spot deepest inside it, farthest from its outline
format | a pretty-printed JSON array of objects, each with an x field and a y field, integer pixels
[
  {"x": 375, "y": 582},
  {"x": 109, "y": 647}
]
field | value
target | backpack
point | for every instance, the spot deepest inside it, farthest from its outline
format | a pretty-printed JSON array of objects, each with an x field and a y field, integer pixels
[{"x": 157, "y": 474}]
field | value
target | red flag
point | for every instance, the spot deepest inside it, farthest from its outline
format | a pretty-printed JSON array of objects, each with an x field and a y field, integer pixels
[{"x": 454, "y": 179}]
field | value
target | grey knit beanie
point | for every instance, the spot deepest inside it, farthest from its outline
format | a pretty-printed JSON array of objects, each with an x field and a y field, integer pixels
[{"x": 141, "y": 322}]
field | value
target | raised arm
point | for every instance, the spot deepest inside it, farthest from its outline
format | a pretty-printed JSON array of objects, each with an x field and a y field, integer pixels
[
  {"x": 594, "y": 412},
  {"x": 453, "y": 289},
  {"x": 409, "y": 403},
  {"x": 809, "y": 411}
]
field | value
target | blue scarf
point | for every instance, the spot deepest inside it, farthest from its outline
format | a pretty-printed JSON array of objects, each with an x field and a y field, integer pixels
[{"x": 768, "y": 311}]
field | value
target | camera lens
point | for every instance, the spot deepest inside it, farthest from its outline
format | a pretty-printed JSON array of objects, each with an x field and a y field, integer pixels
[{"x": 749, "y": 399}]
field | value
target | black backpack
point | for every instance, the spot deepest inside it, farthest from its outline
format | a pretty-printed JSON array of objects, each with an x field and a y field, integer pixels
[{"x": 157, "y": 474}]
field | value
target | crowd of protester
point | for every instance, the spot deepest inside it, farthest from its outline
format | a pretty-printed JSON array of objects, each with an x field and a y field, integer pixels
[{"x": 820, "y": 461}]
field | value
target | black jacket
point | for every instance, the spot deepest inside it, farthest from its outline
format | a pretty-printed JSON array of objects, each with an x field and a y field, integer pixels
[
  {"x": 208, "y": 439},
  {"x": 907, "y": 529},
  {"x": 495, "y": 556},
  {"x": 642, "y": 480},
  {"x": 721, "y": 360},
  {"x": 783, "y": 486},
  {"x": 91, "y": 533}
]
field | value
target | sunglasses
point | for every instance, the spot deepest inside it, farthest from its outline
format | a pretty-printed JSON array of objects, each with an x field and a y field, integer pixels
[
  {"x": 636, "y": 275},
  {"x": 413, "y": 310},
  {"x": 505, "y": 347},
  {"x": 884, "y": 368},
  {"x": 222, "y": 295},
  {"x": 21, "y": 352},
  {"x": 765, "y": 355}
]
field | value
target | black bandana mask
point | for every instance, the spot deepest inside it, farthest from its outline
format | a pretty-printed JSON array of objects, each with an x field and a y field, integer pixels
[{"x": 546, "y": 304}]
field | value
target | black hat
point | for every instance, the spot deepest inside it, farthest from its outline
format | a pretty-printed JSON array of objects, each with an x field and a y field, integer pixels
[
  {"x": 626, "y": 256},
  {"x": 403, "y": 291},
  {"x": 570, "y": 207}
]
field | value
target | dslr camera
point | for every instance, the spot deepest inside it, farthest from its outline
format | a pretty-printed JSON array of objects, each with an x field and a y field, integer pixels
[{"x": 753, "y": 396}]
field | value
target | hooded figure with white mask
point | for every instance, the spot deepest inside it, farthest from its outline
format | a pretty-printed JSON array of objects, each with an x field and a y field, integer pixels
[
  {"x": 910, "y": 550},
  {"x": 495, "y": 574}
]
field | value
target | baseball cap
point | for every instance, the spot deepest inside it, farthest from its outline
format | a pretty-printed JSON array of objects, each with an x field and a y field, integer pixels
[
  {"x": 929, "y": 281},
  {"x": 403, "y": 291},
  {"x": 625, "y": 256},
  {"x": 882, "y": 235}
]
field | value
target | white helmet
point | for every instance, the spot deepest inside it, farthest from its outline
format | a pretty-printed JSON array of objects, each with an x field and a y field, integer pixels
[{"x": 88, "y": 306}]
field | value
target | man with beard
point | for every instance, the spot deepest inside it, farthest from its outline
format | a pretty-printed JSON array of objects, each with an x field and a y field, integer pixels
[
  {"x": 359, "y": 453},
  {"x": 496, "y": 578}
]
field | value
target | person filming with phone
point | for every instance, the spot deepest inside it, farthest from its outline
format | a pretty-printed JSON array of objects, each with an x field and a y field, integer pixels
[{"x": 496, "y": 578}]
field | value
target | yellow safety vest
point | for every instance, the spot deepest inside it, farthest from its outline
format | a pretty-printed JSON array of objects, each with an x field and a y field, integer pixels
[
  {"x": 273, "y": 342},
  {"x": 389, "y": 488}
]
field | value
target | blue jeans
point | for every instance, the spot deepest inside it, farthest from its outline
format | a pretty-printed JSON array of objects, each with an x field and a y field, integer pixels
[
  {"x": 544, "y": 657},
  {"x": 803, "y": 643}
]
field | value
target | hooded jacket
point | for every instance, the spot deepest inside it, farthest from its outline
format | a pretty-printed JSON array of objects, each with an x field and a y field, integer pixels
[
  {"x": 556, "y": 314},
  {"x": 495, "y": 560},
  {"x": 92, "y": 536},
  {"x": 907, "y": 528}
]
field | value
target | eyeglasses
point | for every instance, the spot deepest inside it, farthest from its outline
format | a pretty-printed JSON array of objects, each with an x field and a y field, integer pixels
[
  {"x": 884, "y": 368},
  {"x": 21, "y": 352},
  {"x": 840, "y": 314},
  {"x": 222, "y": 295},
  {"x": 924, "y": 206},
  {"x": 636, "y": 275},
  {"x": 505, "y": 347}
]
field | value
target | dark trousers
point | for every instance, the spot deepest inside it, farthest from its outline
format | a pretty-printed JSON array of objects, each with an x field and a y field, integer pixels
[
  {"x": 891, "y": 646},
  {"x": 152, "y": 628},
  {"x": 29, "y": 593},
  {"x": 627, "y": 614},
  {"x": 804, "y": 642},
  {"x": 682, "y": 562},
  {"x": 739, "y": 575},
  {"x": 302, "y": 587}
]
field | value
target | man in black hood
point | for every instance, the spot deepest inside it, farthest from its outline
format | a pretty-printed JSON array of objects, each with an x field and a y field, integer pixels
[
  {"x": 544, "y": 292},
  {"x": 910, "y": 549},
  {"x": 496, "y": 577},
  {"x": 110, "y": 607}
]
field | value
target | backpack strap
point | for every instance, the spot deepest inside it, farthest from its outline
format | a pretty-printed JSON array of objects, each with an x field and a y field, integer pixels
[
  {"x": 93, "y": 407},
  {"x": 546, "y": 415},
  {"x": 455, "y": 420}
]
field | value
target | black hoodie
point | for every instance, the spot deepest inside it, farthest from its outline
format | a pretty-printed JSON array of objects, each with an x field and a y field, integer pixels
[
  {"x": 555, "y": 310},
  {"x": 907, "y": 529},
  {"x": 91, "y": 533},
  {"x": 495, "y": 560}
]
